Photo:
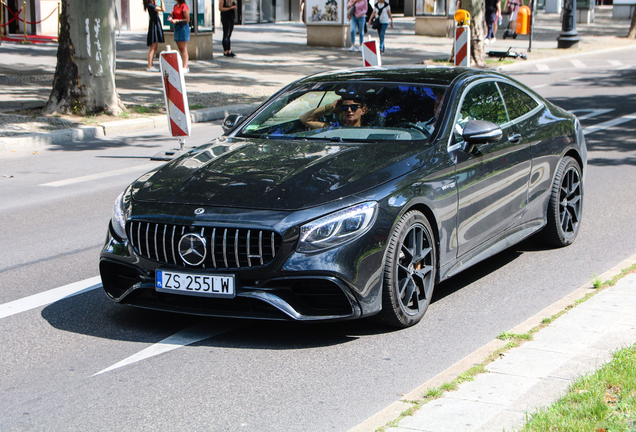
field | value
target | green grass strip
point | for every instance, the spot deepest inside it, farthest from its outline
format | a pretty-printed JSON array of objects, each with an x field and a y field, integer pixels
[
  {"x": 515, "y": 340},
  {"x": 601, "y": 402}
]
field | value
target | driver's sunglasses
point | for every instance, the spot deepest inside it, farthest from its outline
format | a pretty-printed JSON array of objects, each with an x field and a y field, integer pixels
[{"x": 345, "y": 108}]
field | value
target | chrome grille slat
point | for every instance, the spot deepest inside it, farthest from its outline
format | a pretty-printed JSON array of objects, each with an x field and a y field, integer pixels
[
  {"x": 260, "y": 245},
  {"x": 273, "y": 246},
  {"x": 174, "y": 257},
  {"x": 147, "y": 245},
  {"x": 213, "y": 248},
  {"x": 239, "y": 247},
  {"x": 203, "y": 235},
  {"x": 247, "y": 243},
  {"x": 165, "y": 253},
  {"x": 225, "y": 248},
  {"x": 182, "y": 232},
  {"x": 156, "y": 249},
  {"x": 139, "y": 237},
  {"x": 236, "y": 248}
]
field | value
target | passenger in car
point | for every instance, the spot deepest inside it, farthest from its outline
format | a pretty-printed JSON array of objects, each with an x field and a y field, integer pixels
[
  {"x": 429, "y": 125},
  {"x": 348, "y": 112}
]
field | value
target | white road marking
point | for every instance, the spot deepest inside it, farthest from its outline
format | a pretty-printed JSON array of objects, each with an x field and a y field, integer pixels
[
  {"x": 615, "y": 62},
  {"x": 543, "y": 67},
  {"x": 144, "y": 168},
  {"x": 578, "y": 64},
  {"x": 608, "y": 124},
  {"x": 558, "y": 82},
  {"x": 193, "y": 334},
  {"x": 590, "y": 112},
  {"x": 47, "y": 297}
]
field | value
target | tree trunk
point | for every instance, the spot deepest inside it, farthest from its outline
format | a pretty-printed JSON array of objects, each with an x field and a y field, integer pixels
[
  {"x": 477, "y": 32},
  {"x": 632, "y": 27},
  {"x": 84, "y": 81}
]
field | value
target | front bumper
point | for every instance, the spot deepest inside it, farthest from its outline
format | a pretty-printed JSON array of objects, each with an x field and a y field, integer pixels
[{"x": 337, "y": 284}]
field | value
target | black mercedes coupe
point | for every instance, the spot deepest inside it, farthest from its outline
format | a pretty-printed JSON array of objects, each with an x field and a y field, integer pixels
[{"x": 349, "y": 194}]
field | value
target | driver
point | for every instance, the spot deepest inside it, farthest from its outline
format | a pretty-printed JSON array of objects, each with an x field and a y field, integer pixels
[{"x": 349, "y": 112}]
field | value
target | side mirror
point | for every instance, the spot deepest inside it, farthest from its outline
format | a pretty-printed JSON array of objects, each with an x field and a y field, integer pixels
[
  {"x": 231, "y": 121},
  {"x": 481, "y": 132}
]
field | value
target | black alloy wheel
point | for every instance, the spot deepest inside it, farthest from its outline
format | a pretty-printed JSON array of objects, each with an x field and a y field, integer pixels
[
  {"x": 566, "y": 205},
  {"x": 409, "y": 271}
]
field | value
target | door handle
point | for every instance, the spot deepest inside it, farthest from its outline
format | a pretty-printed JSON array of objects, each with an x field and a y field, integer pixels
[{"x": 514, "y": 138}]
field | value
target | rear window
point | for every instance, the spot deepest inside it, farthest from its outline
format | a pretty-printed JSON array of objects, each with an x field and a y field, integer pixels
[{"x": 517, "y": 101}]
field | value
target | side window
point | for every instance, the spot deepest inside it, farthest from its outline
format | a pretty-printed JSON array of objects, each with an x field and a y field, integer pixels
[
  {"x": 483, "y": 102},
  {"x": 517, "y": 101}
]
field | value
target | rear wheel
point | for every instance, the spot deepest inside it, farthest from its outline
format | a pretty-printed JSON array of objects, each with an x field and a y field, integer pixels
[
  {"x": 409, "y": 271},
  {"x": 565, "y": 206}
]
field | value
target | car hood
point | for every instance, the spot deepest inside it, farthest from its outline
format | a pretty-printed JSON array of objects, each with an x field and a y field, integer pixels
[{"x": 279, "y": 175}]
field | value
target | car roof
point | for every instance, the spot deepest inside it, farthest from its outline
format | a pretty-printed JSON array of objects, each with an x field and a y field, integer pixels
[{"x": 424, "y": 74}]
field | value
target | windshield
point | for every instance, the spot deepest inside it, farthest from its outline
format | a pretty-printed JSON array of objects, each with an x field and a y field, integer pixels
[{"x": 350, "y": 111}]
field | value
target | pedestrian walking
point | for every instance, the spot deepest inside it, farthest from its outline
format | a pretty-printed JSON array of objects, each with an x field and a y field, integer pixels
[
  {"x": 511, "y": 7},
  {"x": 493, "y": 14},
  {"x": 180, "y": 18},
  {"x": 302, "y": 11},
  {"x": 368, "y": 16},
  {"x": 155, "y": 30},
  {"x": 227, "y": 8},
  {"x": 382, "y": 16},
  {"x": 357, "y": 13}
]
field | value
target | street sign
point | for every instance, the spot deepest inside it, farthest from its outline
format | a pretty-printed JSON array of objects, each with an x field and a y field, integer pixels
[
  {"x": 462, "y": 46},
  {"x": 175, "y": 94},
  {"x": 371, "y": 53}
]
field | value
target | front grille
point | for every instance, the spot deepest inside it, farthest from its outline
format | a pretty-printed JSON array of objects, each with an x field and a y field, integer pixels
[{"x": 226, "y": 248}]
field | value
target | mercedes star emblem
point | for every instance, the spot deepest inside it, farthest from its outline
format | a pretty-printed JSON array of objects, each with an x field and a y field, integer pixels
[
  {"x": 199, "y": 211},
  {"x": 192, "y": 249}
]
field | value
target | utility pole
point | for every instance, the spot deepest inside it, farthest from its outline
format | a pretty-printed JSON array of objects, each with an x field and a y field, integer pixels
[{"x": 569, "y": 37}]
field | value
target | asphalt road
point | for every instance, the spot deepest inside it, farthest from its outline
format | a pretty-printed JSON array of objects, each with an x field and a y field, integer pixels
[{"x": 84, "y": 363}]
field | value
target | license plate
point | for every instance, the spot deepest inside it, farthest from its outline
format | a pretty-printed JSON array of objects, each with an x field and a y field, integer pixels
[{"x": 195, "y": 284}]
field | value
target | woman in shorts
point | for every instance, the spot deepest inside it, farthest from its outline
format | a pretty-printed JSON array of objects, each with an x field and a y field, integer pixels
[{"x": 180, "y": 18}]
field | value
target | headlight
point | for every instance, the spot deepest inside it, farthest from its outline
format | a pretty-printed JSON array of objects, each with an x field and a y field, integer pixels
[
  {"x": 337, "y": 228},
  {"x": 118, "y": 221}
]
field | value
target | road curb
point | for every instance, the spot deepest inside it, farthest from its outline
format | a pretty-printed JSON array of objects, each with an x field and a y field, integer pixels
[
  {"x": 119, "y": 127},
  {"x": 504, "y": 68},
  {"x": 32, "y": 141},
  {"x": 393, "y": 411}
]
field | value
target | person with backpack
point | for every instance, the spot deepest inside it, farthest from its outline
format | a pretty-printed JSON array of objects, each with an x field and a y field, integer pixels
[{"x": 380, "y": 19}]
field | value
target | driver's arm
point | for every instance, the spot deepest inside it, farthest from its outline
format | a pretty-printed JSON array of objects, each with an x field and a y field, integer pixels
[{"x": 310, "y": 118}]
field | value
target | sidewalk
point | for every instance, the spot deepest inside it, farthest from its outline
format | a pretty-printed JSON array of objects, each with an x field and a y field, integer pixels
[
  {"x": 269, "y": 57},
  {"x": 528, "y": 377}
]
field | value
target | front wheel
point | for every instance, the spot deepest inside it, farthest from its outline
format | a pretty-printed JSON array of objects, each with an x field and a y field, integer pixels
[
  {"x": 409, "y": 271},
  {"x": 565, "y": 206}
]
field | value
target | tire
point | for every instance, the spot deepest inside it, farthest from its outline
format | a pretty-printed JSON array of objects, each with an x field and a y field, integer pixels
[
  {"x": 409, "y": 271},
  {"x": 565, "y": 206}
]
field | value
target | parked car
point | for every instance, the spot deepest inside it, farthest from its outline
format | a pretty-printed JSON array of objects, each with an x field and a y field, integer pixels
[{"x": 349, "y": 194}]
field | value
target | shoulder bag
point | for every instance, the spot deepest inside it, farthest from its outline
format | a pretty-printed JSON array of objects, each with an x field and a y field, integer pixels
[{"x": 375, "y": 24}]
